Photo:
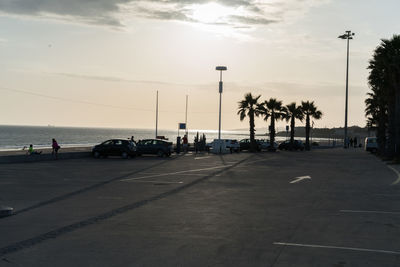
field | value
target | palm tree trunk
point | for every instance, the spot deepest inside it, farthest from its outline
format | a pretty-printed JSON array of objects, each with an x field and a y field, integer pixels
[
  {"x": 381, "y": 134},
  {"x": 391, "y": 140},
  {"x": 397, "y": 122},
  {"x": 252, "y": 132},
  {"x": 272, "y": 131},
  {"x": 292, "y": 133},
  {"x": 308, "y": 132}
]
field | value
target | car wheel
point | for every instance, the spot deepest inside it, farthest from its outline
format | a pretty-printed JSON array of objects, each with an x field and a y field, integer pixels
[
  {"x": 124, "y": 155},
  {"x": 96, "y": 154},
  {"x": 160, "y": 153}
]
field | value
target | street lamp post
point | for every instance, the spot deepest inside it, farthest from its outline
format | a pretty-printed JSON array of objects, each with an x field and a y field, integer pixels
[
  {"x": 220, "y": 69},
  {"x": 347, "y": 36}
]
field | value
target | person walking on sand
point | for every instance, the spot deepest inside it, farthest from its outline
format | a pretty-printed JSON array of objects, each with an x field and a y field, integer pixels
[
  {"x": 31, "y": 151},
  {"x": 55, "y": 147}
]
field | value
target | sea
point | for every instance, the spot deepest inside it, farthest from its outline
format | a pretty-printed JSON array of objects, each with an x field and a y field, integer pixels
[{"x": 17, "y": 137}]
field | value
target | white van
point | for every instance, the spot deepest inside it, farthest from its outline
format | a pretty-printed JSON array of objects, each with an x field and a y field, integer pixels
[
  {"x": 371, "y": 144},
  {"x": 225, "y": 146}
]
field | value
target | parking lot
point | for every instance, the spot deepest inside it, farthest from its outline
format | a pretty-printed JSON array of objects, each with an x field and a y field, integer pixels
[{"x": 326, "y": 207}]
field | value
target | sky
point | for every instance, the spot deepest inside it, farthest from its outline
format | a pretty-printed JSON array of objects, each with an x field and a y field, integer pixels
[{"x": 99, "y": 63}]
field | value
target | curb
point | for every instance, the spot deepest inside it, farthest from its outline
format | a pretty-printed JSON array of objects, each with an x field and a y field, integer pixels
[{"x": 43, "y": 157}]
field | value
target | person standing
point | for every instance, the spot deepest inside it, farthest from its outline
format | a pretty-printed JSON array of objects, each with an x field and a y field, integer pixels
[
  {"x": 196, "y": 143},
  {"x": 55, "y": 147},
  {"x": 185, "y": 143}
]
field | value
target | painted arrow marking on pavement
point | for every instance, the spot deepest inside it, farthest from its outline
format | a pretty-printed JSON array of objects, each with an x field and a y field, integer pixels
[{"x": 301, "y": 178}]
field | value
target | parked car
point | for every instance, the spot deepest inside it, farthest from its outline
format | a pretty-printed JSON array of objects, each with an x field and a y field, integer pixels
[
  {"x": 297, "y": 145},
  {"x": 229, "y": 144},
  {"x": 265, "y": 144},
  {"x": 154, "y": 146},
  {"x": 245, "y": 144},
  {"x": 371, "y": 144},
  {"x": 115, "y": 147}
]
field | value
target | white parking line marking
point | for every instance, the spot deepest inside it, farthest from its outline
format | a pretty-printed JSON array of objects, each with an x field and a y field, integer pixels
[
  {"x": 203, "y": 157},
  {"x": 370, "y": 211},
  {"x": 300, "y": 178},
  {"x": 173, "y": 173},
  {"x": 336, "y": 247},
  {"x": 398, "y": 175},
  {"x": 161, "y": 182}
]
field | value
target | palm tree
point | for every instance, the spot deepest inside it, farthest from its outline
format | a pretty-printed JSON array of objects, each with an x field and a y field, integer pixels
[
  {"x": 384, "y": 80},
  {"x": 310, "y": 111},
  {"x": 293, "y": 112},
  {"x": 249, "y": 108},
  {"x": 376, "y": 112},
  {"x": 272, "y": 109}
]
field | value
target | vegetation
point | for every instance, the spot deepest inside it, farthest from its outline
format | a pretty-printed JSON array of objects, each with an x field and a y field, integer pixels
[
  {"x": 274, "y": 110},
  {"x": 383, "y": 102},
  {"x": 293, "y": 112},
  {"x": 249, "y": 107},
  {"x": 310, "y": 111}
]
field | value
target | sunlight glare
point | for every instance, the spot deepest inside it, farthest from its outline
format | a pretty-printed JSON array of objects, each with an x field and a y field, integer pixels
[{"x": 212, "y": 13}]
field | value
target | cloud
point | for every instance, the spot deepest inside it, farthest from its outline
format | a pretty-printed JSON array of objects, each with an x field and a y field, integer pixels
[
  {"x": 114, "y": 13},
  {"x": 111, "y": 78}
]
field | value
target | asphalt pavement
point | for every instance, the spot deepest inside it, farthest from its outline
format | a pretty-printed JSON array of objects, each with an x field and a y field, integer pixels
[{"x": 330, "y": 207}]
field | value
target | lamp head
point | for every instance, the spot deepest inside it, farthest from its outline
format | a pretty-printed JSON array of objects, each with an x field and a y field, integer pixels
[{"x": 221, "y": 68}]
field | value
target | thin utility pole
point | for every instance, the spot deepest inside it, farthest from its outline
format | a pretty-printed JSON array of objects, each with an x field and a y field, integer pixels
[
  {"x": 157, "y": 115},
  {"x": 186, "y": 116}
]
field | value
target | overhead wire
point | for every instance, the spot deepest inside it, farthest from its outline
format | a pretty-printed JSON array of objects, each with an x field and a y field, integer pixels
[{"x": 97, "y": 104}]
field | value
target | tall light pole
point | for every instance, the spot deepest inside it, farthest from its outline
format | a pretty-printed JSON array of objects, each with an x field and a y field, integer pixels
[
  {"x": 347, "y": 36},
  {"x": 220, "y": 69},
  {"x": 157, "y": 115}
]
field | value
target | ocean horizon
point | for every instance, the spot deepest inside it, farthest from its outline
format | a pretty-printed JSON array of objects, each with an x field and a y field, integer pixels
[{"x": 16, "y": 137}]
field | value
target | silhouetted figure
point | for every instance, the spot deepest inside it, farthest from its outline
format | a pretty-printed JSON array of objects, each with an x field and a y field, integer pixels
[
  {"x": 355, "y": 141},
  {"x": 55, "y": 147},
  {"x": 196, "y": 143},
  {"x": 178, "y": 145},
  {"x": 185, "y": 143},
  {"x": 351, "y": 142}
]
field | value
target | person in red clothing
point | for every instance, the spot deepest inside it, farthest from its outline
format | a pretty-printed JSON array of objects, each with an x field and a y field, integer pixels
[
  {"x": 185, "y": 143},
  {"x": 55, "y": 147}
]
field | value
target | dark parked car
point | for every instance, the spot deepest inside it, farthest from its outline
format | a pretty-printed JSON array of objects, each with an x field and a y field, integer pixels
[
  {"x": 115, "y": 147},
  {"x": 297, "y": 145},
  {"x": 154, "y": 146},
  {"x": 245, "y": 144}
]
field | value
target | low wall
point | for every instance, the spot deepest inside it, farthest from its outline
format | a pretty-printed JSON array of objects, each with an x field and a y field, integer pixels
[{"x": 22, "y": 156}]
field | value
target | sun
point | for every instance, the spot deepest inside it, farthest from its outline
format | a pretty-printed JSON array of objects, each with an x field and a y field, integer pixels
[{"x": 212, "y": 13}]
